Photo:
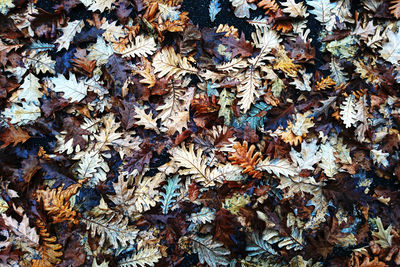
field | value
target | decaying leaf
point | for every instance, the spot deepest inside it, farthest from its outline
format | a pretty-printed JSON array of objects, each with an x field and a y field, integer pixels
[
  {"x": 56, "y": 203},
  {"x": 168, "y": 63},
  {"x": 135, "y": 133},
  {"x": 112, "y": 228},
  {"x": 209, "y": 251},
  {"x": 13, "y": 136},
  {"x": 244, "y": 157},
  {"x": 144, "y": 257},
  {"x": 140, "y": 47}
]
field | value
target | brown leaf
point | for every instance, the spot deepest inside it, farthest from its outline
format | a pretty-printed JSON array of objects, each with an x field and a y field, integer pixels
[
  {"x": 395, "y": 8},
  {"x": 160, "y": 87},
  {"x": 127, "y": 114},
  {"x": 299, "y": 51},
  {"x": 204, "y": 105},
  {"x": 182, "y": 137},
  {"x": 6, "y": 253},
  {"x": 118, "y": 69},
  {"x": 139, "y": 4},
  {"x": 52, "y": 105},
  {"x": 222, "y": 137},
  {"x": 238, "y": 46},
  {"x": 45, "y": 24},
  {"x": 248, "y": 134},
  {"x": 140, "y": 158},
  {"x": 337, "y": 35},
  {"x": 123, "y": 10},
  {"x": 225, "y": 227},
  {"x": 390, "y": 142},
  {"x": 375, "y": 263},
  {"x": 74, "y": 253},
  {"x": 82, "y": 64},
  {"x": 325, "y": 240},
  {"x": 74, "y": 131},
  {"x": 7, "y": 85},
  {"x": 206, "y": 110},
  {"x": 24, "y": 175},
  {"x": 13, "y": 136},
  {"x": 342, "y": 190},
  {"x": 193, "y": 191}
]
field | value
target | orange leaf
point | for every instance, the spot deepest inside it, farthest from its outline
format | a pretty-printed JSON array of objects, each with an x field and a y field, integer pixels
[
  {"x": 246, "y": 159},
  {"x": 325, "y": 83},
  {"x": 395, "y": 8},
  {"x": 289, "y": 137},
  {"x": 56, "y": 203},
  {"x": 270, "y": 6},
  {"x": 49, "y": 250}
]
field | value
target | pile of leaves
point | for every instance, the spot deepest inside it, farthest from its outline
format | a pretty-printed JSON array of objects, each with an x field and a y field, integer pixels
[{"x": 131, "y": 137}]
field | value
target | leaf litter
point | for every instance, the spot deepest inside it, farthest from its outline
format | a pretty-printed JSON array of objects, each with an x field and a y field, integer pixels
[{"x": 132, "y": 137}]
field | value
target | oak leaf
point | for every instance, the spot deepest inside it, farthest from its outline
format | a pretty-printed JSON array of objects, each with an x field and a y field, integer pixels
[
  {"x": 270, "y": 6},
  {"x": 100, "y": 51},
  {"x": 13, "y": 136},
  {"x": 213, "y": 9},
  {"x": 100, "y": 5},
  {"x": 249, "y": 89},
  {"x": 140, "y": 159},
  {"x": 328, "y": 160},
  {"x": 322, "y": 10},
  {"x": 194, "y": 164},
  {"x": 167, "y": 198},
  {"x": 168, "y": 63},
  {"x": 238, "y": 46},
  {"x": 395, "y": 8},
  {"x": 307, "y": 157},
  {"x": 112, "y": 228},
  {"x": 72, "y": 89},
  {"x": 348, "y": 112},
  {"x": 41, "y": 62},
  {"x": 140, "y": 47},
  {"x": 127, "y": 114},
  {"x": 92, "y": 166},
  {"x": 5, "y": 6},
  {"x": 294, "y": 9},
  {"x": 22, "y": 229},
  {"x": 203, "y": 216},
  {"x": 29, "y": 91},
  {"x": 56, "y": 203},
  {"x": 135, "y": 193},
  {"x": 233, "y": 66},
  {"x": 384, "y": 236},
  {"x": 245, "y": 158},
  {"x": 83, "y": 63},
  {"x": 242, "y": 8},
  {"x": 145, "y": 120},
  {"x": 147, "y": 256},
  {"x": 68, "y": 34},
  {"x": 277, "y": 166},
  {"x": 21, "y": 115},
  {"x": 209, "y": 251},
  {"x": 49, "y": 250},
  {"x": 391, "y": 50}
]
